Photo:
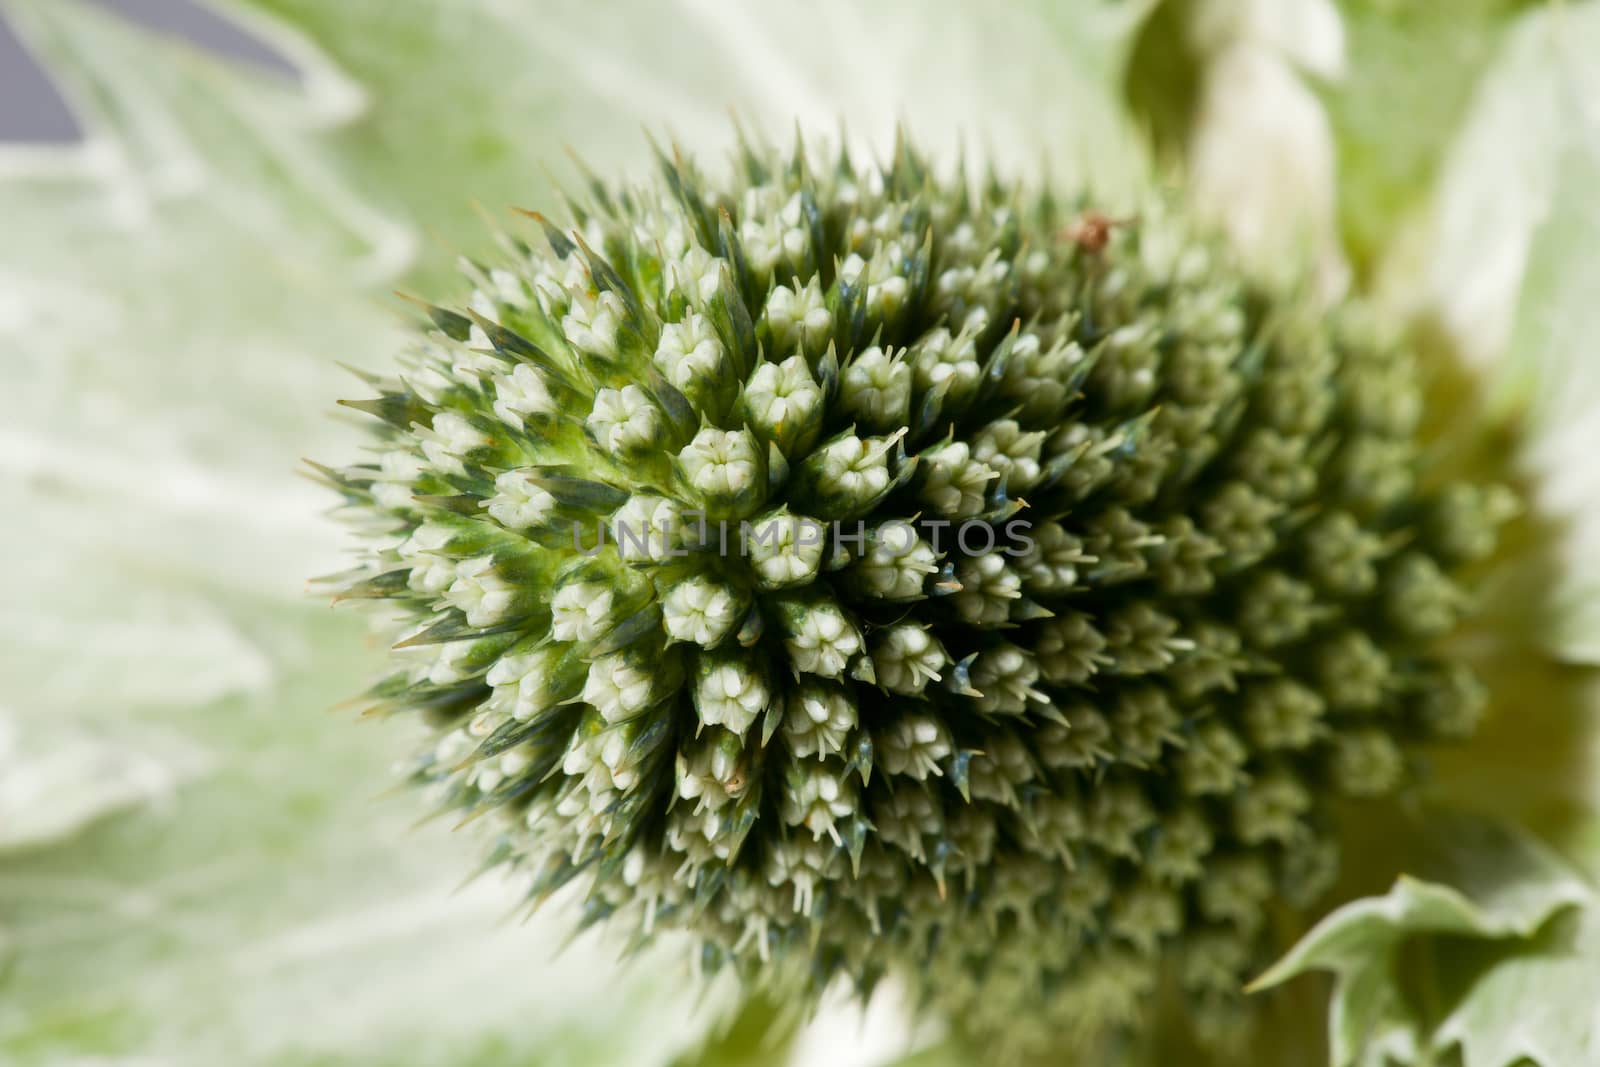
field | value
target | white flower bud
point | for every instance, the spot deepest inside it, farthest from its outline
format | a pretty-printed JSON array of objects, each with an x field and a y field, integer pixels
[
  {"x": 907, "y": 658},
  {"x": 1000, "y": 768},
  {"x": 1051, "y": 565},
  {"x": 781, "y": 397},
  {"x": 798, "y": 315},
  {"x": 854, "y": 468},
  {"x": 647, "y": 527},
  {"x": 913, "y": 746},
  {"x": 906, "y": 818},
  {"x": 1015, "y": 454},
  {"x": 772, "y": 229},
  {"x": 876, "y": 388},
  {"x": 624, "y": 420},
  {"x": 701, "y": 611},
  {"x": 896, "y": 564},
  {"x": 886, "y": 286},
  {"x": 711, "y": 769},
  {"x": 697, "y": 273},
  {"x": 954, "y": 484},
  {"x": 1005, "y": 675},
  {"x": 988, "y": 587},
  {"x": 398, "y": 472},
  {"x": 618, "y": 689},
  {"x": 818, "y": 721},
  {"x": 521, "y": 393},
  {"x": 689, "y": 352},
  {"x": 803, "y": 865},
  {"x": 581, "y": 611},
  {"x": 721, "y": 464},
  {"x": 940, "y": 357},
  {"x": 821, "y": 640},
  {"x": 731, "y": 693},
  {"x": 525, "y": 684},
  {"x": 593, "y": 329},
  {"x": 450, "y": 440},
  {"x": 519, "y": 502},
  {"x": 784, "y": 549},
  {"x": 817, "y": 797},
  {"x": 481, "y": 593},
  {"x": 431, "y": 571},
  {"x": 451, "y": 664}
]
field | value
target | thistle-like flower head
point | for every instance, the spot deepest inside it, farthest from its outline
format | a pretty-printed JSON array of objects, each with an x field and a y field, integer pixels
[{"x": 870, "y": 571}]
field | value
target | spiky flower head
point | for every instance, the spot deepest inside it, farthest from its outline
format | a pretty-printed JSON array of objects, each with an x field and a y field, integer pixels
[{"x": 870, "y": 571}]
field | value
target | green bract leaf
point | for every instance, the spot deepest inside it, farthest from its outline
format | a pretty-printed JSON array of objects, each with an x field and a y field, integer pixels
[
  {"x": 1429, "y": 55},
  {"x": 1228, "y": 87},
  {"x": 1534, "y": 1005},
  {"x": 1552, "y": 351},
  {"x": 1464, "y": 957},
  {"x": 196, "y": 862},
  {"x": 1501, "y": 264},
  {"x": 1501, "y": 172}
]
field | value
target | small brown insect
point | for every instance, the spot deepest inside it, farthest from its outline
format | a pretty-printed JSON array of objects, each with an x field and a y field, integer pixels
[{"x": 1091, "y": 231}]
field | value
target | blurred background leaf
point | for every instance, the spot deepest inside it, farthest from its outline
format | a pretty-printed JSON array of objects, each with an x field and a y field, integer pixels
[
  {"x": 1223, "y": 89},
  {"x": 1498, "y": 265},
  {"x": 1414, "y": 67},
  {"x": 1468, "y": 954}
]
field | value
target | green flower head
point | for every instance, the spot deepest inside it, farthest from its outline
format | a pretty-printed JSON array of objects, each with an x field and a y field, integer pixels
[{"x": 869, "y": 570}]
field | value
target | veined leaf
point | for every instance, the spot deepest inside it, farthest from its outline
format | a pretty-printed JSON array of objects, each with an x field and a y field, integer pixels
[
  {"x": 1496, "y": 265},
  {"x": 1500, "y": 174},
  {"x": 1432, "y": 56},
  {"x": 1457, "y": 958}
]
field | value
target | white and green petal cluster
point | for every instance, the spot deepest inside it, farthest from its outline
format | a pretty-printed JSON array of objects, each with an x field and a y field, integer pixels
[{"x": 875, "y": 571}]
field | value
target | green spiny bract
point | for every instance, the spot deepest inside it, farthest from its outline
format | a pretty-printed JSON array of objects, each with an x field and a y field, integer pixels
[{"x": 868, "y": 571}]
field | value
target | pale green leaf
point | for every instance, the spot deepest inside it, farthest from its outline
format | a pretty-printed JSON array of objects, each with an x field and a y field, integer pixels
[
  {"x": 1225, "y": 89},
  {"x": 1501, "y": 171},
  {"x": 1429, "y": 55},
  {"x": 1456, "y": 957},
  {"x": 1552, "y": 350},
  {"x": 1539, "y": 1004},
  {"x": 1500, "y": 264},
  {"x": 202, "y": 865}
]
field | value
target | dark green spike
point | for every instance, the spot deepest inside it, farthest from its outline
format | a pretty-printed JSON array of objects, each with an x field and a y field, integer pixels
[
  {"x": 400, "y": 410},
  {"x": 379, "y": 587},
  {"x": 453, "y": 325}
]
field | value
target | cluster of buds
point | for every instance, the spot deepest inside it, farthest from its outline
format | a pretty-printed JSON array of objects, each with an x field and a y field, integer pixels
[{"x": 1139, "y": 576}]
